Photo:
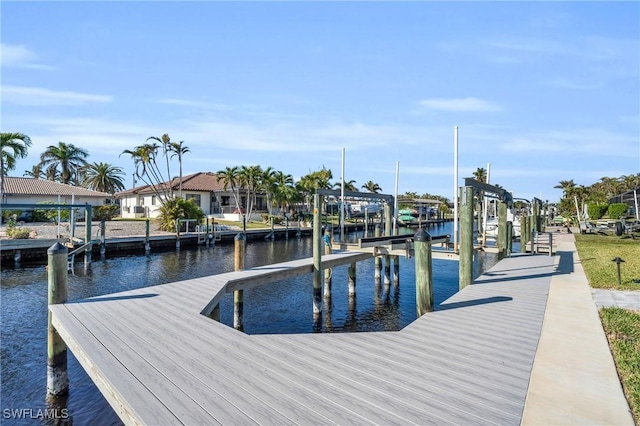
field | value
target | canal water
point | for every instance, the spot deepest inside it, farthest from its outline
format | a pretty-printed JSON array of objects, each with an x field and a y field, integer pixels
[{"x": 284, "y": 307}]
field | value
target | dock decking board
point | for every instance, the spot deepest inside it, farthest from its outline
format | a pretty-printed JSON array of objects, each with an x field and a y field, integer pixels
[{"x": 158, "y": 360}]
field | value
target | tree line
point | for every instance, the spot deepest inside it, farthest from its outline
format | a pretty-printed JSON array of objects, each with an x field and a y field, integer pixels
[{"x": 598, "y": 193}]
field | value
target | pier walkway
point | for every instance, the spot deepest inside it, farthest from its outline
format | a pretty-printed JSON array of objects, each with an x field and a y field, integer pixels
[{"x": 158, "y": 360}]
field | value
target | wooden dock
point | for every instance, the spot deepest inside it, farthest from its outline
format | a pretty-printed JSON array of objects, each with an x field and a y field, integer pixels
[{"x": 158, "y": 360}]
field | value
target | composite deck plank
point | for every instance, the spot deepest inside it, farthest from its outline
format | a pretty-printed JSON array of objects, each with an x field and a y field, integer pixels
[
  {"x": 247, "y": 362},
  {"x": 114, "y": 380},
  {"x": 466, "y": 363},
  {"x": 416, "y": 391},
  {"x": 163, "y": 345},
  {"x": 423, "y": 373},
  {"x": 170, "y": 394}
]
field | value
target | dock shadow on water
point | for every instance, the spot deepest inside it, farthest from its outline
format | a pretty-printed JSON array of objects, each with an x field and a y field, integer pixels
[{"x": 284, "y": 307}]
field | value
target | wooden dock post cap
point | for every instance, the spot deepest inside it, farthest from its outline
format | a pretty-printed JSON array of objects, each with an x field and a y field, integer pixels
[
  {"x": 57, "y": 248},
  {"x": 422, "y": 236}
]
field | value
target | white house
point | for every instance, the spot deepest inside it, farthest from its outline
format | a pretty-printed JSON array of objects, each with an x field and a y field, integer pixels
[
  {"x": 24, "y": 190},
  {"x": 204, "y": 187}
]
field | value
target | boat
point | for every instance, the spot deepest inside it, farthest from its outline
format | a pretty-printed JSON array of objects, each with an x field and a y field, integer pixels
[{"x": 492, "y": 225}]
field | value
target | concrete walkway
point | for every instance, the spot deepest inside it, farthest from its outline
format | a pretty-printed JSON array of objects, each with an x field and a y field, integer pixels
[
  {"x": 616, "y": 299},
  {"x": 574, "y": 379}
]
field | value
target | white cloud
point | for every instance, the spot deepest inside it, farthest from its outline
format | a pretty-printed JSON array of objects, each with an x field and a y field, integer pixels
[
  {"x": 469, "y": 104},
  {"x": 36, "y": 96},
  {"x": 194, "y": 104},
  {"x": 19, "y": 56},
  {"x": 574, "y": 143}
]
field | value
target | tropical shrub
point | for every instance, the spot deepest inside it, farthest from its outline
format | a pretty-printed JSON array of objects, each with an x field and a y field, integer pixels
[
  {"x": 17, "y": 232},
  {"x": 596, "y": 211},
  {"x": 617, "y": 210},
  {"x": 178, "y": 208},
  {"x": 106, "y": 212}
]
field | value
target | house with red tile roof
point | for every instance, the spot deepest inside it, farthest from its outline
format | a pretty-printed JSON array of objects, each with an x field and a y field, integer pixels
[{"x": 204, "y": 187}]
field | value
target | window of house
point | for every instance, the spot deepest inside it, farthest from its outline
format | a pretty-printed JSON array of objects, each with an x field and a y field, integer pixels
[
  {"x": 153, "y": 200},
  {"x": 225, "y": 200},
  {"x": 196, "y": 197}
]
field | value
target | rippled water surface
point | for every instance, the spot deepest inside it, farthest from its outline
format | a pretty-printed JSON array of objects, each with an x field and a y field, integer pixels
[{"x": 284, "y": 307}]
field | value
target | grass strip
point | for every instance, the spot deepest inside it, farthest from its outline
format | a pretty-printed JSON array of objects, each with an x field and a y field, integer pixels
[
  {"x": 622, "y": 328},
  {"x": 596, "y": 254}
]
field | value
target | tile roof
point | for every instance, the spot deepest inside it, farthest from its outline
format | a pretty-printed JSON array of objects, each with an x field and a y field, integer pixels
[
  {"x": 33, "y": 186},
  {"x": 201, "y": 181}
]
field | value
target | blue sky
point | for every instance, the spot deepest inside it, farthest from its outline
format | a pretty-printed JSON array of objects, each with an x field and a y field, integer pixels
[{"x": 544, "y": 91}]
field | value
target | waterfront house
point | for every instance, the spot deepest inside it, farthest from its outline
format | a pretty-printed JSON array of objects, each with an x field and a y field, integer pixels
[
  {"x": 204, "y": 187},
  {"x": 25, "y": 190}
]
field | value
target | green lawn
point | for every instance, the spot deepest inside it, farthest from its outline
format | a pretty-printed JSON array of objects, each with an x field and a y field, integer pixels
[
  {"x": 596, "y": 253},
  {"x": 622, "y": 328}
]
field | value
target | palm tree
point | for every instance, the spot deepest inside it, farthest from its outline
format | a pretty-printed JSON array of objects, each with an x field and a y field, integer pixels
[
  {"x": 147, "y": 170},
  {"x": 285, "y": 191},
  {"x": 165, "y": 142},
  {"x": 566, "y": 186},
  {"x": 67, "y": 158},
  {"x": 268, "y": 185},
  {"x": 371, "y": 186},
  {"x": 480, "y": 174},
  {"x": 104, "y": 177},
  {"x": 12, "y": 147},
  {"x": 35, "y": 172},
  {"x": 348, "y": 186},
  {"x": 250, "y": 178},
  {"x": 179, "y": 150},
  {"x": 230, "y": 179}
]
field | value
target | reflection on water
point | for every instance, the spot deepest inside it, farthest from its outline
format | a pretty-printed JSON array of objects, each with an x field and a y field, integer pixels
[{"x": 285, "y": 307}]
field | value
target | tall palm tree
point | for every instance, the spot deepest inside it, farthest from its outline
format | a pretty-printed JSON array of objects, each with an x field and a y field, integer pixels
[
  {"x": 35, "y": 172},
  {"x": 147, "y": 170},
  {"x": 250, "y": 178},
  {"x": 66, "y": 158},
  {"x": 371, "y": 186},
  {"x": 269, "y": 186},
  {"x": 179, "y": 150},
  {"x": 104, "y": 177},
  {"x": 230, "y": 179},
  {"x": 285, "y": 191},
  {"x": 566, "y": 186},
  {"x": 12, "y": 147},
  {"x": 165, "y": 142},
  {"x": 480, "y": 174},
  {"x": 348, "y": 186}
]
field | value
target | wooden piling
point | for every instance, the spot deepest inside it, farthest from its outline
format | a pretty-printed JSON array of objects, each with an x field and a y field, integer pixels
[
  {"x": 396, "y": 270},
  {"x": 352, "y": 279},
  {"x": 87, "y": 235},
  {"x": 317, "y": 258},
  {"x": 147, "y": 246},
  {"x": 424, "y": 276},
  {"x": 177, "y": 234},
  {"x": 326, "y": 239},
  {"x": 524, "y": 233},
  {"x": 103, "y": 232},
  {"x": 57, "y": 378},
  {"x": 502, "y": 229},
  {"x": 509, "y": 239},
  {"x": 377, "y": 259},
  {"x": 238, "y": 295},
  {"x": 466, "y": 237},
  {"x": 387, "y": 269}
]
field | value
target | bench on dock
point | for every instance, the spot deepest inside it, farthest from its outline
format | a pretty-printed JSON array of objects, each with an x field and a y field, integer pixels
[{"x": 542, "y": 242}]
